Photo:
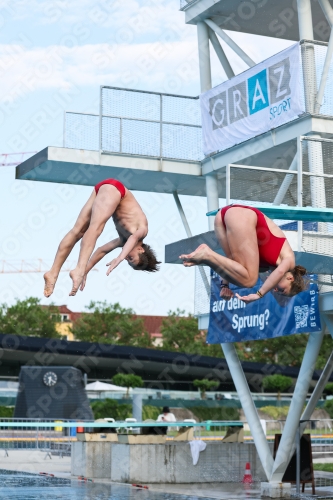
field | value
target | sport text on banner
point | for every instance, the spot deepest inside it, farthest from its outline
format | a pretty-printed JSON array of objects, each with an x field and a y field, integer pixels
[
  {"x": 260, "y": 99},
  {"x": 272, "y": 316}
]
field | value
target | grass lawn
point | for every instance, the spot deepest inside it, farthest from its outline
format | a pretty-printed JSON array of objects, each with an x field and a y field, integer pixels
[{"x": 323, "y": 467}]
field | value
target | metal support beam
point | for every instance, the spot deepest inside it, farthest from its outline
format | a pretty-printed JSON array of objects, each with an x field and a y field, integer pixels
[
  {"x": 189, "y": 235},
  {"x": 308, "y": 55},
  {"x": 248, "y": 406},
  {"x": 315, "y": 396},
  {"x": 221, "y": 54},
  {"x": 206, "y": 84},
  {"x": 327, "y": 9},
  {"x": 324, "y": 75},
  {"x": 296, "y": 406},
  {"x": 285, "y": 184},
  {"x": 305, "y": 19},
  {"x": 328, "y": 318},
  {"x": 233, "y": 45},
  {"x": 204, "y": 57},
  {"x": 212, "y": 197},
  {"x": 182, "y": 215}
]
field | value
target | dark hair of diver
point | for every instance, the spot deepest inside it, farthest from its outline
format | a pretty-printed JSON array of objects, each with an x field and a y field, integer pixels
[
  {"x": 148, "y": 261},
  {"x": 299, "y": 284}
]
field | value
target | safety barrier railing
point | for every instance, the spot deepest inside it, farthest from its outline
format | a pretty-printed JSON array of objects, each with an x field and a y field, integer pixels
[
  {"x": 151, "y": 124},
  {"x": 139, "y": 123},
  {"x": 186, "y": 3},
  {"x": 81, "y": 131},
  {"x": 55, "y": 437},
  {"x": 51, "y": 436}
]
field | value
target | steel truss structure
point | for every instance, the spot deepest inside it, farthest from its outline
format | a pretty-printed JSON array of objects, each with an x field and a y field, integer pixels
[{"x": 154, "y": 142}]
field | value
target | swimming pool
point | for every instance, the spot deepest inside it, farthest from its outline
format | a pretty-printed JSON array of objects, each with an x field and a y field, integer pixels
[{"x": 23, "y": 486}]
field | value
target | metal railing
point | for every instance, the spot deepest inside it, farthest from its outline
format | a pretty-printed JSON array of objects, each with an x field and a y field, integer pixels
[
  {"x": 55, "y": 437},
  {"x": 139, "y": 123},
  {"x": 186, "y": 3},
  {"x": 50, "y": 436}
]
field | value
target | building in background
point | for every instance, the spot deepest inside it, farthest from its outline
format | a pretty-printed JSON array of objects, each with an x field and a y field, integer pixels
[{"x": 152, "y": 324}]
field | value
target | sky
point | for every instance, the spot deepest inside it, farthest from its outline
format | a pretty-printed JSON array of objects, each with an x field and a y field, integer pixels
[{"x": 54, "y": 55}]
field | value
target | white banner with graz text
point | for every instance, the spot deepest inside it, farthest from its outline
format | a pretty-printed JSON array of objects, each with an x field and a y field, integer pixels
[{"x": 260, "y": 99}]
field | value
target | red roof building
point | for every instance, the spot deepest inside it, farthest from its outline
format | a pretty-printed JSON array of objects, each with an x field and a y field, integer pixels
[{"x": 152, "y": 324}]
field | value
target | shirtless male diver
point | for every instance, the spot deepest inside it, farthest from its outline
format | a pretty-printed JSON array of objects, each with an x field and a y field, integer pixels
[
  {"x": 110, "y": 198},
  {"x": 250, "y": 241}
]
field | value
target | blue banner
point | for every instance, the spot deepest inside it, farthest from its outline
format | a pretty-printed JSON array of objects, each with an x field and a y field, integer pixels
[{"x": 272, "y": 316}]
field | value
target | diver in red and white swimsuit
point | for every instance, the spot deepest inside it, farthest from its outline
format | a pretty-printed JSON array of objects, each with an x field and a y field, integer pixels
[
  {"x": 250, "y": 241},
  {"x": 110, "y": 198}
]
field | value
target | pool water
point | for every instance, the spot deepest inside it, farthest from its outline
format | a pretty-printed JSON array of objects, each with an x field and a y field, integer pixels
[
  {"x": 22, "y": 486},
  {"x": 25, "y": 486}
]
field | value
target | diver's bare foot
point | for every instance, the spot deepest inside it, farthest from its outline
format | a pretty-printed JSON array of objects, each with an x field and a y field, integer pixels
[
  {"x": 77, "y": 278},
  {"x": 197, "y": 257},
  {"x": 50, "y": 281},
  {"x": 83, "y": 284}
]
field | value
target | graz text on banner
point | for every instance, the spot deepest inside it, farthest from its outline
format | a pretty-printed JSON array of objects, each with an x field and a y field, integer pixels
[{"x": 260, "y": 99}]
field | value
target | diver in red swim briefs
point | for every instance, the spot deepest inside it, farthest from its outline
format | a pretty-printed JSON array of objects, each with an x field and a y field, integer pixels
[
  {"x": 250, "y": 241},
  {"x": 109, "y": 199}
]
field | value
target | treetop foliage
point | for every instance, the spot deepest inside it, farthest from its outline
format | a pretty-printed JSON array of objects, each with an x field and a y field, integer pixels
[
  {"x": 111, "y": 324},
  {"x": 27, "y": 317},
  {"x": 127, "y": 380},
  {"x": 277, "y": 382}
]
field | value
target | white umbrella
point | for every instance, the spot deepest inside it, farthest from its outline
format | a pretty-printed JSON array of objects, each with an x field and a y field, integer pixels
[{"x": 102, "y": 386}]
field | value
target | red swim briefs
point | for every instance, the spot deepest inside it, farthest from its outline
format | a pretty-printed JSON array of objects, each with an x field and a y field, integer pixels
[{"x": 121, "y": 188}]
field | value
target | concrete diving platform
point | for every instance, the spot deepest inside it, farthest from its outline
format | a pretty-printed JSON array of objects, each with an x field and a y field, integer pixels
[{"x": 164, "y": 463}]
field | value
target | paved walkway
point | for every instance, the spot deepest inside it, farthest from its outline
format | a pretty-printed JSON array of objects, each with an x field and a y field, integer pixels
[{"x": 34, "y": 461}]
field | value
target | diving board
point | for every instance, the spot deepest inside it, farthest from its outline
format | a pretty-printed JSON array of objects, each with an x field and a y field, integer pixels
[
  {"x": 86, "y": 168},
  {"x": 308, "y": 214},
  {"x": 314, "y": 263}
]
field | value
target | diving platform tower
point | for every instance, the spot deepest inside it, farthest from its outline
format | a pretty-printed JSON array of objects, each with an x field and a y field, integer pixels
[
  {"x": 152, "y": 142},
  {"x": 290, "y": 165}
]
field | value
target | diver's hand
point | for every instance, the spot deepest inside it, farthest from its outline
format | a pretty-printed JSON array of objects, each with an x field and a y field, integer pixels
[
  {"x": 248, "y": 298},
  {"x": 113, "y": 264},
  {"x": 226, "y": 293}
]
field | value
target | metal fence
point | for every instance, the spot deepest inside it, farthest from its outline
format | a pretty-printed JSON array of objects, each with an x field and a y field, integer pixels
[
  {"x": 31, "y": 434},
  {"x": 152, "y": 124},
  {"x": 81, "y": 131},
  {"x": 139, "y": 123},
  {"x": 55, "y": 438},
  {"x": 186, "y": 3}
]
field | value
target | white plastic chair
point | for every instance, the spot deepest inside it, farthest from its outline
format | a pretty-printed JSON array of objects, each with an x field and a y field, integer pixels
[{"x": 130, "y": 420}]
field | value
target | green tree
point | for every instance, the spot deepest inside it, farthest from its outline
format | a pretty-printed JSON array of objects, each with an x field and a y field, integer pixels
[
  {"x": 111, "y": 324},
  {"x": 110, "y": 408},
  {"x": 279, "y": 383},
  {"x": 205, "y": 385},
  {"x": 285, "y": 351},
  {"x": 28, "y": 317},
  {"x": 329, "y": 407},
  {"x": 220, "y": 413},
  {"x": 127, "y": 380},
  {"x": 328, "y": 390},
  {"x": 180, "y": 333},
  {"x": 6, "y": 411}
]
